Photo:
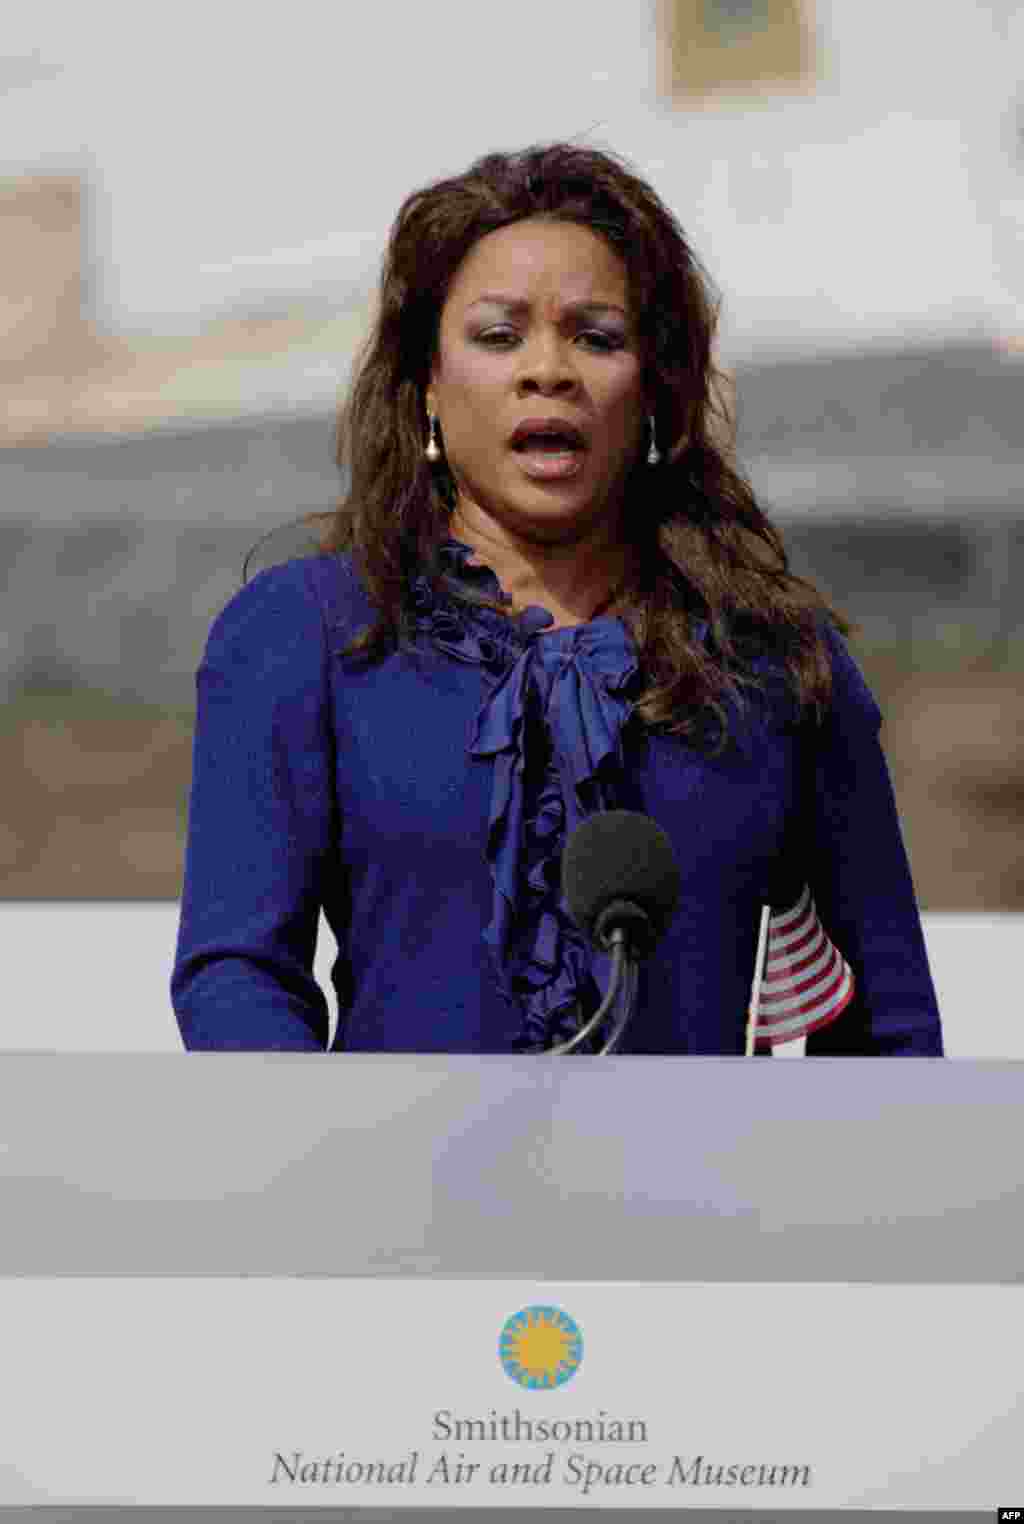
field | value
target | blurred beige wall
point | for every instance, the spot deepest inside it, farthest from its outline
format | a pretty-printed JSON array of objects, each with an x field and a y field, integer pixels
[
  {"x": 44, "y": 332},
  {"x": 61, "y": 374}
]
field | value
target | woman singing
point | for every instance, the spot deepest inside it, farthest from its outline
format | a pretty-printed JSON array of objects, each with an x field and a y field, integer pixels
[{"x": 548, "y": 592}]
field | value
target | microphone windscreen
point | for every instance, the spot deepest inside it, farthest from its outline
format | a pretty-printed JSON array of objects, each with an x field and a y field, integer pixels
[{"x": 620, "y": 855}]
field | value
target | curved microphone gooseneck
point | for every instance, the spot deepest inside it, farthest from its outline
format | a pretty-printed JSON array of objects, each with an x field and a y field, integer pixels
[{"x": 622, "y": 885}]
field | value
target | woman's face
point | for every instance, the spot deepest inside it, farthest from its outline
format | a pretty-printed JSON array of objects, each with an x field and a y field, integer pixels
[{"x": 550, "y": 358}]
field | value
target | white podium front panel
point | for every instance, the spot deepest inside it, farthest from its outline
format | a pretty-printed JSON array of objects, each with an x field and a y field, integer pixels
[{"x": 495, "y": 1395}]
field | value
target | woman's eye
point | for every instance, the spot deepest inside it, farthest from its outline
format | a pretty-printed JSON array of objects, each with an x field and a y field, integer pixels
[{"x": 604, "y": 340}]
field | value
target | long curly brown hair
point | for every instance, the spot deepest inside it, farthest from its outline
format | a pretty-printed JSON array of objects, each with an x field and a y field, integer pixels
[{"x": 705, "y": 550}]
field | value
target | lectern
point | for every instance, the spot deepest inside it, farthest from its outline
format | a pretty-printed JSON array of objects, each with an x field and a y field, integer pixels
[{"x": 557, "y": 1171}]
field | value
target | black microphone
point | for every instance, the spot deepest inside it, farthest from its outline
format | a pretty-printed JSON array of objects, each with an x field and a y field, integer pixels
[{"x": 622, "y": 885}]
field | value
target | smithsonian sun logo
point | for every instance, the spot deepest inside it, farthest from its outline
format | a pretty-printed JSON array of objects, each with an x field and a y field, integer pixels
[{"x": 540, "y": 1347}]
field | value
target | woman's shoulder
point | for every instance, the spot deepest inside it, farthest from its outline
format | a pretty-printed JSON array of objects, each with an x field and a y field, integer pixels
[
  {"x": 769, "y": 649},
  {"x": 852, "y": 697},
  {"x": 293, "y": 604},
  {"x": 321, "y": 581}
]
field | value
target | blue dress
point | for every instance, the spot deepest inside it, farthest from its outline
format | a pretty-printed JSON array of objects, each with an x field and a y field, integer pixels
[{"x": 424, "y": 803}]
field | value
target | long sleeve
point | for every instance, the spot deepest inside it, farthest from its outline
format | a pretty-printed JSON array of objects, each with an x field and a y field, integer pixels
[
  {"x": 261, "y": 825},
  {"x": 860, "y": 877}
]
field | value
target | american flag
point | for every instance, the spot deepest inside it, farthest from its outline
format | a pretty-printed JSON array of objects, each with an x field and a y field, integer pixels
[{"x": 803, "y": 983}]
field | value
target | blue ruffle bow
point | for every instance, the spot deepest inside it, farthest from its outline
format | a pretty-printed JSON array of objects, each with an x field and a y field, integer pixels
[{"x": 552, "y": 727}]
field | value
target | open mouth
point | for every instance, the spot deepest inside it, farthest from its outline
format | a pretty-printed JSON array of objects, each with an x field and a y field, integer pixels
[
  {"x": 549, "y": 447},
  {"x": 555, "y": 435}
]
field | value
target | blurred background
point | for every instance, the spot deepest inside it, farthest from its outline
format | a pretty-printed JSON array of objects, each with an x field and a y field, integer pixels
[{"x": 193, "y": 206}]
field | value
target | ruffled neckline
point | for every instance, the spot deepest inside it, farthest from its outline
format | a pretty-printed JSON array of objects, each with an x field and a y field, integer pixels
[{"x": 550, "y": 726}]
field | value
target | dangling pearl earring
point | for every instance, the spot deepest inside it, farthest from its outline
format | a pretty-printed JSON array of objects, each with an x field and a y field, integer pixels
[
  {"x": 432, "y": 452},
  {"x": 653, "y": 456}
]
